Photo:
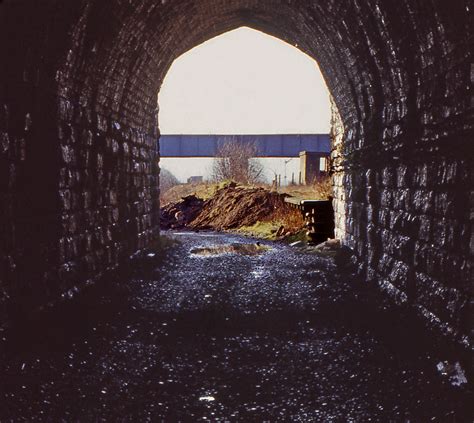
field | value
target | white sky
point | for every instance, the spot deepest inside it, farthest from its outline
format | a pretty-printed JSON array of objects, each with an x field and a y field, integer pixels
[{"x": 242, "y": 82}]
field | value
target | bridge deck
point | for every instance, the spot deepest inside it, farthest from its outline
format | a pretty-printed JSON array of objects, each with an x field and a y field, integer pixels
[{"x": 276, "y": 145}]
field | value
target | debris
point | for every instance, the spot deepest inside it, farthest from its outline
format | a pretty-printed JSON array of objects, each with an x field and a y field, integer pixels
[
  {"x": 232, "y": 207},
  {"x": 454, "y": 372},
  {"x": 178, "y": 215},
  {"x": 281, "y": 231},
  {"x": 329, "y": 245}
]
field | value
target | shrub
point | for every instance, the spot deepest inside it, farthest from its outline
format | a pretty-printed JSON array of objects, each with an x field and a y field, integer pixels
[
  {"x": 236, "y": 161},
  {"x": 167, "y": 180}
]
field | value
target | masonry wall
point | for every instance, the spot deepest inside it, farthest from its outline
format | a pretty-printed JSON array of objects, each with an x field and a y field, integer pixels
[
  {"x": 404, "y": 199},
  {"x": 78, "y": 128},
  {"x": 79, "y": 180}
]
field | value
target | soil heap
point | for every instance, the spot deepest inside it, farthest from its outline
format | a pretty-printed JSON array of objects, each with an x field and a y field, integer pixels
[{"x": 231, "y": 207}]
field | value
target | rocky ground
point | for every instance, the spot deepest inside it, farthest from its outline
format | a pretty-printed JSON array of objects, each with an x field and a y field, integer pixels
[{"x": 211, "y": 330}]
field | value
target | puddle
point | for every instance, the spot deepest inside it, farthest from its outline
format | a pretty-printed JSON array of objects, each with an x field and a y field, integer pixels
[
  {"x": 199, "y": 234},
  {"x": 237, "y": 248},
  {"x": 207, "y": 398}
]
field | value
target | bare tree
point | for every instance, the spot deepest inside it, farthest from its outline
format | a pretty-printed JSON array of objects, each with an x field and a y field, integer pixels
[{"x": 236, "y": 161}]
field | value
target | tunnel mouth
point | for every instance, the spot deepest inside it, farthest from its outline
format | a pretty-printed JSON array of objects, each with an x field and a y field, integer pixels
[
  {"x": 78, "y": 132},
  {"x": 268, "y": 143},
  {"x": 229, "y": 71}
]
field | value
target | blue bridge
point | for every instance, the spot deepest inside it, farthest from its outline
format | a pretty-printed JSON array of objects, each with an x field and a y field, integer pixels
[{"x": 266, "y": 145}]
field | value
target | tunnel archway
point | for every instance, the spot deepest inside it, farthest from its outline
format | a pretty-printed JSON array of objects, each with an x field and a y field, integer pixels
[
  {"x": 243, "y": 82},
  {"x": 78, "y": 128}
]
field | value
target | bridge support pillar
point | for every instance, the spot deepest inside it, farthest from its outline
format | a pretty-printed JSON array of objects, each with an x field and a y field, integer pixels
[{"x": 310, "y": 167}]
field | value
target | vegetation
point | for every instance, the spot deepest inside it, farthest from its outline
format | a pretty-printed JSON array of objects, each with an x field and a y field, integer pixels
[
  {"x": 167, "y": 180},
  {"x": 319, "y": 190},
  {"x": 204, "y": 191},
  {"x": 285, "y": 221},
  {"x": 264, "y": 230},
  {"x": 244, "y": 249},
  {"x": 236, "y": 161}
]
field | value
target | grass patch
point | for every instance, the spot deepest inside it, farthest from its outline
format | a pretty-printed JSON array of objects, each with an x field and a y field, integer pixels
[
  {"x": 299, "y": 236},
  {"x": 243, "y": 249},
  {"x": 319, "y": 190},
  {"x": 205, "y": 191},
  {"x": 264, "y": 230}
]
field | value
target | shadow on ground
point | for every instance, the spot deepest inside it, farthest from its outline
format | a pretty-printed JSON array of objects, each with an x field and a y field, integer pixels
[{"x": 279, "y": 336}]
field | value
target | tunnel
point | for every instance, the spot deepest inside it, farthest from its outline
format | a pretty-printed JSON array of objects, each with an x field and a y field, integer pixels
[{"x": 78, "y": 129}]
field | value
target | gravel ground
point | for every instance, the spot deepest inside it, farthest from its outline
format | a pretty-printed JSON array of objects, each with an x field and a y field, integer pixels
[{"x": 280, "y": 336}]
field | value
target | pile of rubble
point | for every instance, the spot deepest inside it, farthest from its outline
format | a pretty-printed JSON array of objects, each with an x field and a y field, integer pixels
[
  {"x": 231, "y": 207},
  {"x": 180, "y": 214}
]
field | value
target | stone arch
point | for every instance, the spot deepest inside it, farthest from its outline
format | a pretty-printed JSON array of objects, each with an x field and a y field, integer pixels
[
  {"x": 78, "y": 129},
  {"x": 272, "y": 101}
]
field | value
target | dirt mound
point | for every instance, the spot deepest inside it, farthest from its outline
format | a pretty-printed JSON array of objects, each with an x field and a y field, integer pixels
[
  {"x": 179, "y": 214},
  {"x": 234, "y": 206},
  {"x": 231, "y": 207}
]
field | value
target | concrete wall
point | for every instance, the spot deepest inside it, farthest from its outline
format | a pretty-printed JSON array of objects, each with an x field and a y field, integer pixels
[
  {"x": 78, "y": 98},
  {"x": 310, "y": 167}
]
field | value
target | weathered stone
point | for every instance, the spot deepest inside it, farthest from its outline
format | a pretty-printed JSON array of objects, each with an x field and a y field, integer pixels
[{"x": 78, "y": 130}]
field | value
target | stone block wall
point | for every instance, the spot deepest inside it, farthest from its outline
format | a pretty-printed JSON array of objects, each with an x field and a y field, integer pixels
[
  {"x": 79, "y": 176},
  {"x": 403, "y": 201},
  {"x": 337, "y": 170}
]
